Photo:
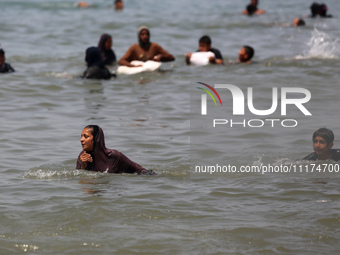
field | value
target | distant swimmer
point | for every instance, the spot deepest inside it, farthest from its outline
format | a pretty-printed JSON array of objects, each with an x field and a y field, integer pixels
[
  {"x": 96, "y": 157},
  {"x": 252, "y": 9},
  {"x": 82, "y": 4},
  {"x": 145, "y": 50},
  {"x": 4, "y": 67},
  {"x": 104, "y": 46},
  {"x": 297, "y": 22},
  {"x": 319, "y": 10},
  {"x": 95, "y": 65},
  {"x": 245, "y": 54},
  {"x": 204, "y": 45},
  {"x": 118, "y": 4},
  {"x": 323, "y": 140}
]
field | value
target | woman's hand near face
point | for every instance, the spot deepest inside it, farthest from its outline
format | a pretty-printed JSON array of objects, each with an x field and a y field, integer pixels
[{"x": 84, "y": 158}]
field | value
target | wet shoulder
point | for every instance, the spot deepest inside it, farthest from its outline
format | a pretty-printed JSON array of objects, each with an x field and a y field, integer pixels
[
  {"x": 311, "y": 156},
  {"x": 336, "y": 154}
]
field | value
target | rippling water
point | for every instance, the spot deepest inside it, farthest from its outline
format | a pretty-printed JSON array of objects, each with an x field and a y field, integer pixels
[{"x": 49, "y": 207}]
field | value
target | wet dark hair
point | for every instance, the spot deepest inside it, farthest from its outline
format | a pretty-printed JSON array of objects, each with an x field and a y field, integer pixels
[
  {"x": 322, "y": 10},
  {"x": 314, "y": 9},
  {"x": 301, "y": 22},
  {"x": 318, "y": 9},
  {"x": 94, "y": 131},
  {"x": 250, "y": 51},
  {"x": 251, "y": 9},
  {"x": 205, "y": 39},
  {"x": 2, "y": 52},
  {"x": 325, "y": 133}
]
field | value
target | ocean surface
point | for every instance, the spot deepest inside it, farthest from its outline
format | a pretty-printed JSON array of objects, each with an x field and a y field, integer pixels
[{"x": 49, "y": 207}]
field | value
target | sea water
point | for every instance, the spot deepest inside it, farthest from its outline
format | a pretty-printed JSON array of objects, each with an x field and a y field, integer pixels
[{"x": 49, "y": 207}]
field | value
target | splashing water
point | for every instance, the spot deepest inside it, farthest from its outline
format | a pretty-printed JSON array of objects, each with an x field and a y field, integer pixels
[{"x": 323, "y": 46}]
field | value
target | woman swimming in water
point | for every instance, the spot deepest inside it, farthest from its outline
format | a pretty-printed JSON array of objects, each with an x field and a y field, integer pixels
[
  {"x": 104, "y": 46},
  {"x": 95, "y": 65},
  {"x": 96, "y": 157}
]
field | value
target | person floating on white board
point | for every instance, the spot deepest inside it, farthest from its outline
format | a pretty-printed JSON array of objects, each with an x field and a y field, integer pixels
[
  {"x": 145, "y": 50},
  {"x": 204, "y": 45}
]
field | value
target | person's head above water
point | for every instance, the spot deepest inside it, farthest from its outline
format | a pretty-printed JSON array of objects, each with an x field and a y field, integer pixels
[
  {"x": 319, "y": 9},
  {"x": 314, "y": 9},
  {"x": 105, "y": 42},
  {"x": 143, "y": 36},
  {"x": 298, "y": 22},
  {"x": 254, "y": 2},
  {"x": 246, "y": 54},
  {"x": 118, "y": 4},
  {"x": 82, "y": 4},
  {"x": 89, "y": 137},
  {"x": 324, "y": 133},
  {"x": 251, "y": 9},
  {"x": 323, "y": 142},
  {"x": 104, "y": 46},
  {"x": 96, "y": 157},
  {"x": 204, "y": 43},
  {"x": 322, "y": 10},
  {"x": 93, "y": 57}
]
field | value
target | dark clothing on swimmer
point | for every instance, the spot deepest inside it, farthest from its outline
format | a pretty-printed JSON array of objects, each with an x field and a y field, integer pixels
[
  {"x": 108, "y": 55},
  {"x": 113, "y": 162},
  {"x": 319, "y": 10},
  {"x": 95, "y": 72},
  {"x": 95, "y": 65},
  {"x": 6, "y": 68},
  {"x": 110, "y": 161},
  {"x": 335, "y": 155}
]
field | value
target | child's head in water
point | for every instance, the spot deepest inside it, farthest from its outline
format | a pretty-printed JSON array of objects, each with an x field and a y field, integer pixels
[
  {"x": 118, "y": 4},
  {"x": 298, "y": 22},
  {"x": 323, "y": 142},
  {"x": 204, "y": 43},
  {"x": 245, "y": 54}
]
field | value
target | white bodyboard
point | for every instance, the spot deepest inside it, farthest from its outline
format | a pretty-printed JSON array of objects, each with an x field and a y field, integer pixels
[
  {"x": 148, "y": 66},
  {"x": 201, "y": 58}
]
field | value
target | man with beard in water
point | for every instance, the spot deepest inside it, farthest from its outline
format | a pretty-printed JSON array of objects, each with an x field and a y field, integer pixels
[{"x": 145, "y": 50}]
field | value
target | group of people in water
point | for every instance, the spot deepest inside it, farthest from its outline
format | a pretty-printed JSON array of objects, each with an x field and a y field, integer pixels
[
  {"x": 97, "y": 58},
  {"x": 146, "y": 50},
  {"x": 96, "y": 157},
  {"x": 317, "y": 10}
]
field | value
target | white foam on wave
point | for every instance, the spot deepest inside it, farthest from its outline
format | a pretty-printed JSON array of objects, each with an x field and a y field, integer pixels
[
  {"x": 49, "y": 174},
  {"x": 321, "y": 46}
]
